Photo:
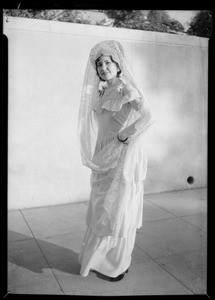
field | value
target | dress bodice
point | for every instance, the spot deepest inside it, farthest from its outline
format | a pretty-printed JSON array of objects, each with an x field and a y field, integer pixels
[
  {"x": 111, "y": 121},
  {"x": 111, "y": 113}
]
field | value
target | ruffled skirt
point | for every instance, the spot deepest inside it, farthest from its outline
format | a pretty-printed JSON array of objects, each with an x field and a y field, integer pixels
[
  {"x": 110, "y": 255},
  {"x": 98, "y": 254}
]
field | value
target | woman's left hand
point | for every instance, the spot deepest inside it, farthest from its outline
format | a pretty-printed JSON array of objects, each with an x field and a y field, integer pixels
[{"x": 122, "y": 136}]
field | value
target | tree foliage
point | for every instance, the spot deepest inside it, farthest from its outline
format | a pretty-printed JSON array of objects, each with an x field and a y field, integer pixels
[
  {"x": 152, "y": 20},
  {"x": 158, "y": 16},
  {"x": 121, "y": 18},
  {"x": 202, "y": 24},
  {"x": 149, "y": 20},
  {"x": 63, "y": 15}
]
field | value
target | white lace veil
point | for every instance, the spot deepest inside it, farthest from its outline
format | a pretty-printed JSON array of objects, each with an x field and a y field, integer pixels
[{"x": 87, "y": 129}]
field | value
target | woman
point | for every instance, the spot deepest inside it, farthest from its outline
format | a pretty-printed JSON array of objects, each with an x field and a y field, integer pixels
[{"x": 112, "y": 119}]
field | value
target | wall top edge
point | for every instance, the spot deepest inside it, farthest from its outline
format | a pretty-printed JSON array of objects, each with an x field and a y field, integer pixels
[{"x": 36, "y": 25}]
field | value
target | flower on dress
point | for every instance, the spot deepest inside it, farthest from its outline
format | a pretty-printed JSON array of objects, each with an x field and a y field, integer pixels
[
  {"x": 102, "y": 86},
  {"x": 120, "y": 87}
]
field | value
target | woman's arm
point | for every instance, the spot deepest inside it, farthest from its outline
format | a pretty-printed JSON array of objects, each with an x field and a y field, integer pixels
[{"x": 142, "y": 123}]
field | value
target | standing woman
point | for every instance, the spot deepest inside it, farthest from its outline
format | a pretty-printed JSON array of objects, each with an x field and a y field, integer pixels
[{"x": 113, "y": 117}]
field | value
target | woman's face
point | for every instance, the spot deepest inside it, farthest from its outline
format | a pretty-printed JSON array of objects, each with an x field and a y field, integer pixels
[{"x": 106, "y": 68}]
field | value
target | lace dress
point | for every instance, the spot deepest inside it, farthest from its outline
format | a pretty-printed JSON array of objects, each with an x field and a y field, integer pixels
[{"x": 116, "y": 191}]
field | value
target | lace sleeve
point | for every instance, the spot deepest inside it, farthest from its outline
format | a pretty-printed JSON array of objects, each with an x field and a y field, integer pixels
[{"x": 144, "y": 120}]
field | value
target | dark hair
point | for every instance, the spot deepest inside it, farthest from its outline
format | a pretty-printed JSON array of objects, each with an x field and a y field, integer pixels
[{"x": 97, "y": 60}]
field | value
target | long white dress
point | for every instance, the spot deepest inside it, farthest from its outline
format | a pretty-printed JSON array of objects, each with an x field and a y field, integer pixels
[{"x": 123, "y": 182}]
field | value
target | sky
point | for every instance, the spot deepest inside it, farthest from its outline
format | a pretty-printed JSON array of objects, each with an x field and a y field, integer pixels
[{"x": 183, "y": 16}]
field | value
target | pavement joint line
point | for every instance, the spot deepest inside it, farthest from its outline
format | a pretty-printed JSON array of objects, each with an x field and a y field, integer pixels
[
  {"x": 30, "y": 284},
  {"x": 192, "y": 224},
  {"x": 83, "y": 202},
  {"x": 197, "y": 189},
  {"x": 160, "y": 265},
  {"x": 22, "y": 240},
  {"x": 49, "y": 206},
  {"x": 163, "y": 219},
  {"x": 174, "y": 216},
  {"x": 157, "y": 220},
  {"x": 43, "y": 254},
  {"x": 161, "y": 208},
  {"x": 62, "y": 234}
]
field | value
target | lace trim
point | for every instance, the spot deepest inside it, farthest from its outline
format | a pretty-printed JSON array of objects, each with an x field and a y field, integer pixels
[{"x": 113, "y": 104}]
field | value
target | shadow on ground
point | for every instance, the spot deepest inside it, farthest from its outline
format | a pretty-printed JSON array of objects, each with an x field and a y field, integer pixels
[{"x": 57, "y": 257}]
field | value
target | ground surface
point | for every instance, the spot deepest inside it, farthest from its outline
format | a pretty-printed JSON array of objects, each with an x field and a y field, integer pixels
[{"x": 169, "y": 256}]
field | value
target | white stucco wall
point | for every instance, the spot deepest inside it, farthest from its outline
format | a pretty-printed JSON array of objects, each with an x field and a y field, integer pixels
[{"x": 47, "y": 61}]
